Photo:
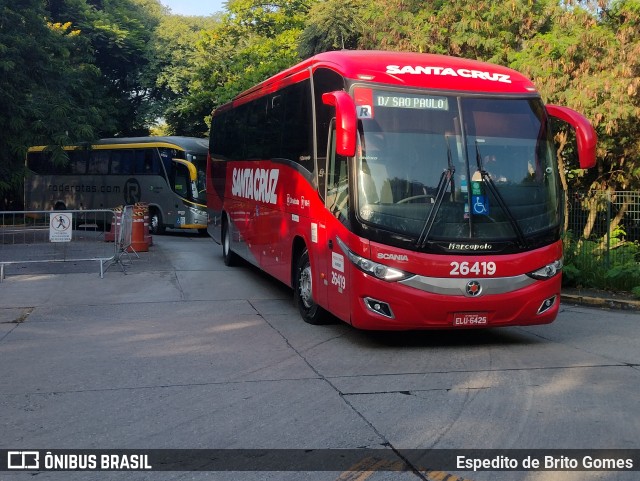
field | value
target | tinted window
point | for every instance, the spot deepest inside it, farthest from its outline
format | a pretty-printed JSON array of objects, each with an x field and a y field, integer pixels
[
  {"x": 77, "y": 161},
  {"x": 98, "y": 162},
  {"x": 278, "y": 126},
  {"x": 147, "y": 162},
  {"x": 296, "y": 133},
  {"x": 40, "y": 162},
  {"x": 64, "y": 162},
  {"x": 324, "y": 80},
  {"x": 122, "y": 161}
]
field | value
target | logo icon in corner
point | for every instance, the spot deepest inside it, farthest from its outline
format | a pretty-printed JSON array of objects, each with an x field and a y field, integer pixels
[
  {"x": 132, "y": 191},
  {"x": 23, "y": 459},
  {"x": 473, "y": 289}
]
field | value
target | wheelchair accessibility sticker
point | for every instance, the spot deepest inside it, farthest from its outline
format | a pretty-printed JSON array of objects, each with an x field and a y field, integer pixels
[{"x": 480, "y": 204}]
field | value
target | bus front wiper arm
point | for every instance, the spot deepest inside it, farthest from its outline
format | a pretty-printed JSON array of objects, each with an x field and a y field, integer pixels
[
  {"x": 491, "y": 185},
  {"x": 446, "y": 179}
]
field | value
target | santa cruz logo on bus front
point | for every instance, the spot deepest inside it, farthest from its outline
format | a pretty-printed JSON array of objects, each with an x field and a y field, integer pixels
[
  {"x": 256, "y": 184},
  {"x": 448, "y": 71},
  {"x": 474, "y": 289}
]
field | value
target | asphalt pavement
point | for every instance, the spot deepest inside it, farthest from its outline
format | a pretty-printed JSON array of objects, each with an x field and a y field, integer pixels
[{"x": 30, "y": 281}]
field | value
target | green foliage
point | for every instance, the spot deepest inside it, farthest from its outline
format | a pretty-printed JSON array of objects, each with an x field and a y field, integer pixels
[
  {"x": 70, "y": 71},
  {"x": 591, "y": 264},
  {"x": 332, "y": 25},
  {"x": 588, "y": 60},
  {"x": 172, "y": 67},
  {"x": 48, "y": 89},
  {"x": 250, "y": 43}
]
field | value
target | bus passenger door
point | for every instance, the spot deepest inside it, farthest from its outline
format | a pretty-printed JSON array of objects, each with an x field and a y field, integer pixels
[{"x": 337, "y": 201}]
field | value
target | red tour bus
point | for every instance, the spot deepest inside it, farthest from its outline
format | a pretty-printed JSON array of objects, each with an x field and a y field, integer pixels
[{"x": 396, "y": 190}]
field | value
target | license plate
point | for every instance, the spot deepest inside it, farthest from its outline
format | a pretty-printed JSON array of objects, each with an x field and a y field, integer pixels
[{"x": 470, "y": 319}]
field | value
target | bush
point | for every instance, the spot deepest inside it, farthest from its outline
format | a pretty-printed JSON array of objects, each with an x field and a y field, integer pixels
[{"x": 590, "y": 263}]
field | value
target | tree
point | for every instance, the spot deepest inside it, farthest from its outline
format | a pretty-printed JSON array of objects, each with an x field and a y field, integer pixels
[
  {"x": 173, "y": 65},
  {"x": 391, "y": 25},
  {"x": 49, "y": 94},
  {"x": 117, "y": 34},
  {"x": 332, "y": 25},
  {"x": 590, "y": 61},
  {"x": 482, "y": 30},
  {"x": 252, "y": 41},
  {"x": 72, "y": 71}
]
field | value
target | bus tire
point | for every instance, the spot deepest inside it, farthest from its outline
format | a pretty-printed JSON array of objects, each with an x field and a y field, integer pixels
[
  {"x": 230, "y": 258},
  {"x": 311, "y": 312},
  {"x": 156, "y": 225}
]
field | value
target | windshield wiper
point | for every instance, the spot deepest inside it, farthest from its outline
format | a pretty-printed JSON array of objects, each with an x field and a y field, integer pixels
[
  {"x": 446, "y": 180},
  {"x": 491, "y": 185}
]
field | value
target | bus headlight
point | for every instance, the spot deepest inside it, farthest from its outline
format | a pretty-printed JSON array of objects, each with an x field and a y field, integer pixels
[
  {"x": 548, "y": 271},
  {"x": 380, "y": 271}
]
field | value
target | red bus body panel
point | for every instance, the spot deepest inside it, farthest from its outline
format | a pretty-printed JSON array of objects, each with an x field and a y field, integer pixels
[{"x": 403, "y": 69}]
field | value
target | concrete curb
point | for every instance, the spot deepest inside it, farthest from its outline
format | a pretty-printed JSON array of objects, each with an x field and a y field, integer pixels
[{"x": 603, "y": 302}]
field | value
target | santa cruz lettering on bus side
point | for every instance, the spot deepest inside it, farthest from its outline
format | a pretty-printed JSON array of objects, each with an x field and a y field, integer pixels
[
  {"x": 256, "y": 184},
  {"x": 461, "y": 72}
]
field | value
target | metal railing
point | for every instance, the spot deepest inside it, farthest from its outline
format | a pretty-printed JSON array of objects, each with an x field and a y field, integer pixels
[
  {"x": 28, "y": 237},
  {"x": 122, "y": 233},
  {"x": 602, "y": 241}
]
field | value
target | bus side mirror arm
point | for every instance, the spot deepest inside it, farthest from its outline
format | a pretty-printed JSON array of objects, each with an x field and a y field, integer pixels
[
  {"x": 346, "y": 121},
  {"x": 585, "y": 134}
]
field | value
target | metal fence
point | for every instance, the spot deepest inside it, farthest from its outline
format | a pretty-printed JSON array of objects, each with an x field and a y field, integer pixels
[
  {"x": 30, "y": 237},
  {"x": 602, "y": 243}
]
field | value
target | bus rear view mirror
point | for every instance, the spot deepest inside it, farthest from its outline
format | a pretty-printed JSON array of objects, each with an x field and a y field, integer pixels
[
  {"x": 586, "y": 137},
  {"x": 346, "y": 122}
]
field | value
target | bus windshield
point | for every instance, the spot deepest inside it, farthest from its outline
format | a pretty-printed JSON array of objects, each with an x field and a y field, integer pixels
[{"x": 452, "y": 168}]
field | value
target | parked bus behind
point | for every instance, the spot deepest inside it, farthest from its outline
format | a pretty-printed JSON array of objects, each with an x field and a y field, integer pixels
[{"x": 168, "y": 173}]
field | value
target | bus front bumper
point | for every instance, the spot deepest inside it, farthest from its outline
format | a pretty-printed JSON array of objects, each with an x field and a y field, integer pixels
[{"x": 407, "y": 307}]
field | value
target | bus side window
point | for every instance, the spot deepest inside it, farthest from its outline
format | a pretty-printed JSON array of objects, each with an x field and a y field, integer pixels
[
  {"x": 296, "y": 140},
  {"x": 147, "y": 162},
  {"x": 324, "y": 80},
  {"x": 39, "y": 162},
  {"x": 77, "y": 162},
  {"x": 255, "y": 138},
  {"x": 122, "y": 162},
  {"x": 166, "y": 157},
  {"x": 98, "y": 162},
  {"x": 337, "y": 199}
]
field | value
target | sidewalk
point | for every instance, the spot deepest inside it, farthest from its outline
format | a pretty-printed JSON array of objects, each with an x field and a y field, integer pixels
[{"x": 599, "y": 298}]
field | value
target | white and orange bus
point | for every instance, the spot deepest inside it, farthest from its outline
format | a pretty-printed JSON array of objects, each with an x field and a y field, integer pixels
[{"x": 396, "y": 190}]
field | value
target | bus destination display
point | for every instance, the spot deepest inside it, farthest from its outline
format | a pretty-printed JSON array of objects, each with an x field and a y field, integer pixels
[{"x": 410, "y": 101}]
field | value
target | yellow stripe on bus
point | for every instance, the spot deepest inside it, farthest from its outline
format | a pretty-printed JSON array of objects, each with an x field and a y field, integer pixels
[{"x": 41, "y": 148}]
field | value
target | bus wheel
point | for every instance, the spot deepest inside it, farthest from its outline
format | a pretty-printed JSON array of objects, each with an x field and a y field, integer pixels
[
  {"x": 309, "y": 310},
  {"x": 230, "y": 257},
  {"x": 155, "y": 223}
]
